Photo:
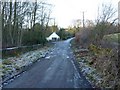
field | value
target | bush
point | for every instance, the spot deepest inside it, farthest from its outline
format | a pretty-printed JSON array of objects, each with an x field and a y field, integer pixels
[
  {"x": 33, "y": 37},
  {"x": 84, "y": 38},
  {"x": 64, "y": 34},
  {"x": 7, "y": 62}
]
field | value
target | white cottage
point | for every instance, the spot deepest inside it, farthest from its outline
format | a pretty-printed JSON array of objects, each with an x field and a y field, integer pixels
[{"x": 53, "y": 37}]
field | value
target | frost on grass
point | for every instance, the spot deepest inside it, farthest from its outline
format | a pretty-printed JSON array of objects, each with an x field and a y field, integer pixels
[
  {"x": 48, "y": 57},
  {"x": 100, "y": 66},
  {"x": 0, "y": 74},
  {"x": 90, "y": 72},
  {"x": 85, "y": 66},
  {"x": 14, "y": 65}
]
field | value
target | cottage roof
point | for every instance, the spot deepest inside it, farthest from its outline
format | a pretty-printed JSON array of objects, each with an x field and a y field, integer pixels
[{"x": 54, "y": 35}]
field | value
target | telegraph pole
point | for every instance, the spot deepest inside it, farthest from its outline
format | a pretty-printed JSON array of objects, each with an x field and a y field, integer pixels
[
  {"x": 54, "y": 25},
  {"x": 54, "y": 21},
  {"x": 83, "y": 20}
]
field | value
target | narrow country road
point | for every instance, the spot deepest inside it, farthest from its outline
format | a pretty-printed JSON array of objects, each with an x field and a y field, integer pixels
[{"x": 56, "y": 70}]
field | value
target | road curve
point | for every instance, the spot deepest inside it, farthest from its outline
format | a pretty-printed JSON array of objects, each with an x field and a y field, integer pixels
[{"x": 56, "y": 70}]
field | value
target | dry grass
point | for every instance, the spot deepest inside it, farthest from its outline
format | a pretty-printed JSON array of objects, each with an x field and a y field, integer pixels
[{"x": 105, "y": 61}]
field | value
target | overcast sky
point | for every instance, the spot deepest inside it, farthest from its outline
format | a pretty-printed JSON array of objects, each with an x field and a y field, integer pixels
[{"x": 65, "y": 11}]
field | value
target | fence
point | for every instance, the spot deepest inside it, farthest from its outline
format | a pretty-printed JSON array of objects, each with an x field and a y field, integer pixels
[{"x": 15, "y": 51}]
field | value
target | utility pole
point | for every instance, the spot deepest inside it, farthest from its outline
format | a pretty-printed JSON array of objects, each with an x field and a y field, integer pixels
[
  {"x": 54, "y": 25},
  {"x": 83, "y": 20},
  {"x": 54, "y": 22}
]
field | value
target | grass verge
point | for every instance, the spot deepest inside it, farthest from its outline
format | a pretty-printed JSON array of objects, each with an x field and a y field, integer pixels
[{"x": 99, "y": 65}]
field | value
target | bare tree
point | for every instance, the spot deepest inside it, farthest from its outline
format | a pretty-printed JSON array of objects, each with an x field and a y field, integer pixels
[
  {"x": 17, "y": 14},
  {"x": 77, "y": 23},
  {"x": 104, "y": 21},
  {"x": 106, "y": 13},
  {"x": 9, "y": 22},
  {"x": 89, "y": 23},
  {"x": 34, "y": 13}
]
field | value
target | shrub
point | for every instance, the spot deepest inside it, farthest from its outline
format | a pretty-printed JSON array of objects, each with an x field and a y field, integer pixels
[
  {"x": 7, "y": 62},
  {"x": 64, "y": 34},
  {"x": 33, "y": 37},
  {"x": 84, "y": 38}
]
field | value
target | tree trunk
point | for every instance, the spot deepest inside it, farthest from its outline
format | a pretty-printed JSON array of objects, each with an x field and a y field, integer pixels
[
  {"x": 34, "y": 17},
  {"x": 10, "y": 24}
]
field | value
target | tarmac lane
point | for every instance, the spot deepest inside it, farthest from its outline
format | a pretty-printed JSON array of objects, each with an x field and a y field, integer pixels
[{"x": 56, "y": 70}]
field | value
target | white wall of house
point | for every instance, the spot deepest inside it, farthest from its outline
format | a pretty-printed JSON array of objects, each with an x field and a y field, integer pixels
[{"x": 53, "y": 36}]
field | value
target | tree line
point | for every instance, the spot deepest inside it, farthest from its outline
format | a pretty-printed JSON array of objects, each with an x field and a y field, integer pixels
[{"x": 24, "y": 23}]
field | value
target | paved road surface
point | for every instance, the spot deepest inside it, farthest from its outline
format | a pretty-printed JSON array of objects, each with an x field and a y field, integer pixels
[{"x": 57, "y": 70}]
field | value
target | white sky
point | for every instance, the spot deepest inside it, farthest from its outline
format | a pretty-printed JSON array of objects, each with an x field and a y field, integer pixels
[{"x": 65, "y": 11}]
